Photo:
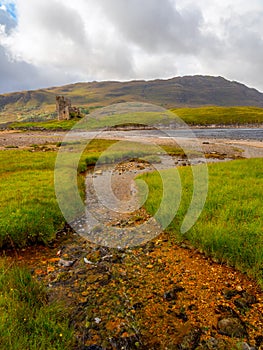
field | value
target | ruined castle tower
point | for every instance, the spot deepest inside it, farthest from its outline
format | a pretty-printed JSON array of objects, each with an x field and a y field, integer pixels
[{"x": 63, "y": 107}]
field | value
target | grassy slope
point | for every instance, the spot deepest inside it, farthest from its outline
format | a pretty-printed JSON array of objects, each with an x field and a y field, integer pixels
[
  {"x": 192, "y": 116},
  {"x": 230, "y": 226},
  {"x": 177, "y": 92},
  {"x": 220, "y": 115}
]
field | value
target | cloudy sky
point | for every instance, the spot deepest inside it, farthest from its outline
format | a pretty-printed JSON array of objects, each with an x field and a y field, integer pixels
[{"x": 54, "y": 42}]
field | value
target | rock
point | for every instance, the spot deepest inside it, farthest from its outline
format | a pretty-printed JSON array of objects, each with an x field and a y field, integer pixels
[
  {"x": 245, "y": 346},
  {"x": 92, "y": 347},
  {"x": 214, "y": 344},
  {"x": 112, "y": 258},
  {"x": 232, "y": 327},
  {"x": 172, "y": 294},
  {"x": 86, "y": 261},
  {"x": 191, "y": 340},
  {"x": 97, "y": 320},
  {"x": 126, "y": 343},
  {"x": 65, "y": 263},
  {"x": 229, "y": 294},
  {"x": 245, "y": 301},
  {"x": 250, "y": 299}
]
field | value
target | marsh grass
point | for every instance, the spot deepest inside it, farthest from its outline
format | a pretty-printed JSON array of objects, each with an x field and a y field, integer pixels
[
  {"x": 230, "y": 226},
  {"x": 27, "y": 319}
]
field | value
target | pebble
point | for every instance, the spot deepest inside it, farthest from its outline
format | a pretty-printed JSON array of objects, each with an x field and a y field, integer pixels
[
  {"x": 97, "y": 320},
  {"x": 86, "y": 261},
  {"x": 65, "y": 263}
]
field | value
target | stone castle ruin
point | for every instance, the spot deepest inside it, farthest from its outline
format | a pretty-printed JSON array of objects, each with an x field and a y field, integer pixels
[{"x": 65, "y": 110}]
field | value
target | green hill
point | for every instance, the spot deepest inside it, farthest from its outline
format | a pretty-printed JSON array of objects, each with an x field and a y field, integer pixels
[{"x": 188, "y": 91}]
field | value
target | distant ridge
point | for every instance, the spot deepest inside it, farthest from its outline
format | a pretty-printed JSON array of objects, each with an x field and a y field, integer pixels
[{"x": 187, "y": 91}]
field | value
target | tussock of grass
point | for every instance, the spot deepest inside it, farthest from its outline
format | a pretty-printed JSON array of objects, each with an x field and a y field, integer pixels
[
  {"x": 230, "y": 226},
  {"x": 27, "y": 320}
]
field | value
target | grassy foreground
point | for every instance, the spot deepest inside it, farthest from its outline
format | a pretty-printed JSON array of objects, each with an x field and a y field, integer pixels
[
  {"x": 230, "y": 226},
  {"x": 29, "y": 209},
  {"x": 29, "y": 213},
  {"x": 27, "y": 320}
]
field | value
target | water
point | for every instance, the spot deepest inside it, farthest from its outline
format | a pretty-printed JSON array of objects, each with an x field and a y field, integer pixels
[
  {"x": 216, "y": 133},
  {"x": 209, "y": 133}
]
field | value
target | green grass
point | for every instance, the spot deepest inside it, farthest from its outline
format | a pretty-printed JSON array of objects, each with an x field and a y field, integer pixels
[
  {"x": 192, "y": 116},
  {"x": 27, "y": 319},
  {"x": 230, "y": 226},
  {"x": 101, "y": 121},
  {"x": 220, "y": 115},
  {"x": 49, "y": 125},
  {"x": 29, "y": 209}
]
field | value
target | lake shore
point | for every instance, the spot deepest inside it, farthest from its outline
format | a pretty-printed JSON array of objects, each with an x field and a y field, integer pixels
[{"x": 228, "y": 147}]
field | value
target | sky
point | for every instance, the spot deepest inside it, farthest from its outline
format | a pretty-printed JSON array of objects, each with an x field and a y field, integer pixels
[{"x": 55, "y": 42}]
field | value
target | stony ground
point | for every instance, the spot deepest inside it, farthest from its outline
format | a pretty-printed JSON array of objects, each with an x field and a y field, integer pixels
[
  {"x": 225, "y": 148},
  {"x": 160, "y": 295}
]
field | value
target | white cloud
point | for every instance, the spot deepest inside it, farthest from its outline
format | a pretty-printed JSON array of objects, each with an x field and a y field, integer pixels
[{"x": 64, "y": 41}]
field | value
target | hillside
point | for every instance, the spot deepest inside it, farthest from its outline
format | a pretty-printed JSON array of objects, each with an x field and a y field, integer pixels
[{"x": 188, "y": 91}]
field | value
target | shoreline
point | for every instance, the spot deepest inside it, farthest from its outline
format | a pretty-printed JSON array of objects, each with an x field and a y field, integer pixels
[{"x": 15, "y": 139}]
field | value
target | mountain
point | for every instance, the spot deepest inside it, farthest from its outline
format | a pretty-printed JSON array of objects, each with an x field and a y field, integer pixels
[{"x": 187, "y": 91}]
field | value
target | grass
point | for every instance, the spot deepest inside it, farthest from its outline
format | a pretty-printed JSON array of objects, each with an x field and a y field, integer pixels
[
  {"x": 27, "y": 320},
  {"x": 29, "y": 209},
  {"x": 101, "y": 121},
  {"x": 192, "y": 116},
  {"x": 220, "y": 115},
  {"x": 230, "y": 226},
  {"x": 48, "y": 125}
]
